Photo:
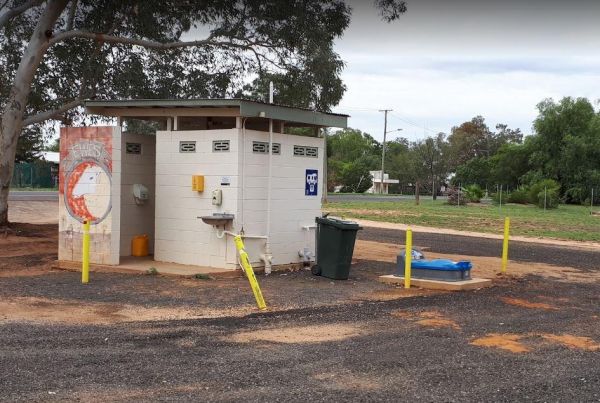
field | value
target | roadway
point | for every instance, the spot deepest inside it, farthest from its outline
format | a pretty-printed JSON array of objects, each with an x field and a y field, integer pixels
[{"x": 33, "y": 195}]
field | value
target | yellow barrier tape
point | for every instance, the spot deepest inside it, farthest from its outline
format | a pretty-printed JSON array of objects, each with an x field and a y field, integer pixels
[{"x": 245, "y": 262}]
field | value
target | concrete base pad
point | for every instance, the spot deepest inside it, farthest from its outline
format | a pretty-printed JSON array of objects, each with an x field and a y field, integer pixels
[
  {"x": 473, "y": 284},
  {"x": 142, "y": 264}
]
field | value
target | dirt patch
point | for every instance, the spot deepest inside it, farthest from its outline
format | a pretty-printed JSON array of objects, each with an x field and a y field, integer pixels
[
  {"x": 508, "y": 342},
  {"x": 513, "y": 342},
  {"x": 299, "y": 334},
  {"x": 576, "y": 342},
  {"x": 436, "y": 319},
  {"x": 33, "y": 212},
  {"x": 483, "y": 266},
  {"x": 528, "y": 304},
  {"x": 79, "y": 312},
  {"x": 428, "y": 318},
  {"x": 27, "y": 250}
]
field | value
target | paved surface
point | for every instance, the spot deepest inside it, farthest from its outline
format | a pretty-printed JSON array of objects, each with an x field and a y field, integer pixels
[
  {"x": 472, "y": 246},
  {"x": 16, "y": 195}
]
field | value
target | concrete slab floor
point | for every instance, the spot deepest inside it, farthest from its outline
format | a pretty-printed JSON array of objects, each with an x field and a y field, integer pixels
[{"x": 143, "y": 264}]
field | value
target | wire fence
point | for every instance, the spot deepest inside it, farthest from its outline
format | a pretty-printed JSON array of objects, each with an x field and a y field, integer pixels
[{"x": 39, "y": 174}]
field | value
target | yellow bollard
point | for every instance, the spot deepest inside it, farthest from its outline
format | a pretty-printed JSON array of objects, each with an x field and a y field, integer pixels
[
  {"x": 245, "y": 262},
  {"x": 505, "y": 244},
  {"x": 85, "y": 256},
  {"x": 407, "y": 258}
]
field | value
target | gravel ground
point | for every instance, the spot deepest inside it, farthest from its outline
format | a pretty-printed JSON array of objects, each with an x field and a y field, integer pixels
[
  {"x": 524, "y": 339},
  {"x": 472, "y": 246},
  {"x": 391, "y": 358}
]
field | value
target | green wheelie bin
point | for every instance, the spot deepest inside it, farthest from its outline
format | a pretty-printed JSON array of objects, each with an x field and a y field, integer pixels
[{"x": 334, "y": 247}]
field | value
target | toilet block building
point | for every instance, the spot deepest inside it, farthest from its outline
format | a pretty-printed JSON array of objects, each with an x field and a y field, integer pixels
[{"x": 189, "y": 174}]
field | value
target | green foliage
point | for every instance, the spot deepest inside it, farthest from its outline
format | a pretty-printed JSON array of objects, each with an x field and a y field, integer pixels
[
  {"x": 30, "y": 143},
  {"x": 550, "y": 198},
  {"x": 519, "y": 196},
  {"x": 152, "y": 271},
  {"x": 288, "y": 42},
  {"x": 537, "y": 188},
  {"x": 565, "y": 147},
  {"x": 476, "y": 171},
  {"x": 54, "y": 146},
  {"x": 355, "y": 177},
  {"x": 352, "y": 154},
  {"x": 473, "y": 193}
]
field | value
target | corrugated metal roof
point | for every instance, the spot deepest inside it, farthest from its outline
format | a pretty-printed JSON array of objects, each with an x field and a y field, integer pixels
[{"x": 247, "y": 108}]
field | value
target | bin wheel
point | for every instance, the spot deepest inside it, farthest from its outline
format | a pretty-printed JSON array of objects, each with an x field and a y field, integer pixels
[{"x": 316, "y": 270}]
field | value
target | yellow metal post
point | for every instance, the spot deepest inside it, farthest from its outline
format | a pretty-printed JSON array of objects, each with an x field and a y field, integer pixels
[
  {"x": 85, "y": 259},
  {"x": 407, "y": 258},
  {"x": 245, "y": 262},
  {"x": 505, "y": 244}
]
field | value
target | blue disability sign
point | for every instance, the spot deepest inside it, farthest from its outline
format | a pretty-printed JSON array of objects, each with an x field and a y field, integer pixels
[{"x": 312, "y": 182}]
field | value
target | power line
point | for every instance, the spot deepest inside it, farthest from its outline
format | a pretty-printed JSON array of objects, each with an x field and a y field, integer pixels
[{"x": 410, "y": 122}]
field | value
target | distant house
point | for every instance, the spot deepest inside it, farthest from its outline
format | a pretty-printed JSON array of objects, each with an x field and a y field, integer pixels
[
  {"x": 53, "y": 158},
  {"x": 378, "y": 183}
]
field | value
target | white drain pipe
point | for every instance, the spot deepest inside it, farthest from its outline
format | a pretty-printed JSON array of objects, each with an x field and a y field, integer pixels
[{"x": 268, "y": 256}]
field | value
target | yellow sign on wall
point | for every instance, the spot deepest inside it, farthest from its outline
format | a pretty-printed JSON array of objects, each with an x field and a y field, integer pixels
[{"x": 198, "y": 183}]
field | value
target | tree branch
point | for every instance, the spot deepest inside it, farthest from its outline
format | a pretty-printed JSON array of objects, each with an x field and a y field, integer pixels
[
  {"x": 14, "y": 12},
  {"x": 62, "y": 36},
  {"x": 43, "y": 116},
  {"x": 72, "y": 12}
]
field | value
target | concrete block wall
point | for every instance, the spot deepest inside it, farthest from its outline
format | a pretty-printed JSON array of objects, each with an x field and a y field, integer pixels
[
  {"x": 179, "y": 235},
  {"x": 89, "y": 189},
  {"x": 137, "y": 168},
  {"x": 291, "y": 209}
]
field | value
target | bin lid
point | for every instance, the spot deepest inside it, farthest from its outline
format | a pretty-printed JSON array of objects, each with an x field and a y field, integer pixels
[{"x": 338, "y": 223}]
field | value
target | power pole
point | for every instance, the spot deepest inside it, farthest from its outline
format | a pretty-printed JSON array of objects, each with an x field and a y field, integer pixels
[{"x": 385, "y": 112}]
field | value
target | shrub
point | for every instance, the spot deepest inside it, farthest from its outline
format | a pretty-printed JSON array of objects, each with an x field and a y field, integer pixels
[
  {"x": 552, "y": 198},
  {"x": 577, "y": 195},
  {"x": 496, "y": 197},
  {"x": 535, "y": 190},
  {"x": 454, "y": 197},
  {"x": 473, "y": 193},
  {"x": 519, "y": 196}
]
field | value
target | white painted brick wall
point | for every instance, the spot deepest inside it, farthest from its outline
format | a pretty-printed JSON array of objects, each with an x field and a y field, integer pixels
[
  {"x": 137, "y": 219},
  {"x": 182, "y": 238}
]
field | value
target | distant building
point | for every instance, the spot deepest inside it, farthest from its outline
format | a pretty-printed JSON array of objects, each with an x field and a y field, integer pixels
[{"x": 377, "y": 183}]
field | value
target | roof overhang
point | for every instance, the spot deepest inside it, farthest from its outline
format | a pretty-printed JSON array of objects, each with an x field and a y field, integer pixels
[{"x": 220, "y": 107}]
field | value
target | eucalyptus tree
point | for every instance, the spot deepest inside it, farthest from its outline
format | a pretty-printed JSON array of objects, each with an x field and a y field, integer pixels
[{"x": 54, "y": 54}]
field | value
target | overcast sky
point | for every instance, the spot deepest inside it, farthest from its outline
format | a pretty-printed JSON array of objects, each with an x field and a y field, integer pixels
[{"x": 446, "y": 61}]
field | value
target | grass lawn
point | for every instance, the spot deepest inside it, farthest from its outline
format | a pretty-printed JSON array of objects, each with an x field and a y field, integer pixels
[{"x": 566, "y": 222}]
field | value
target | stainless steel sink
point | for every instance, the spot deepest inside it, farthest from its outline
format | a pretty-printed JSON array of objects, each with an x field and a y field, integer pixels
[{"x": 218, "y": 219}]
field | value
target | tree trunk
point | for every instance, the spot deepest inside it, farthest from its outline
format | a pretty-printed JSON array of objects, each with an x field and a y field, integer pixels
[
  {"x": 417, "y": 186},
  {"x": 433, "y": 188},
  {"x": 11, "y": 121}
]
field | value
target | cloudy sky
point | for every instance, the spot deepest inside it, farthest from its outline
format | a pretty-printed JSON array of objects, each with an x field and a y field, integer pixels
[{"x": 446, "y": 61}]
